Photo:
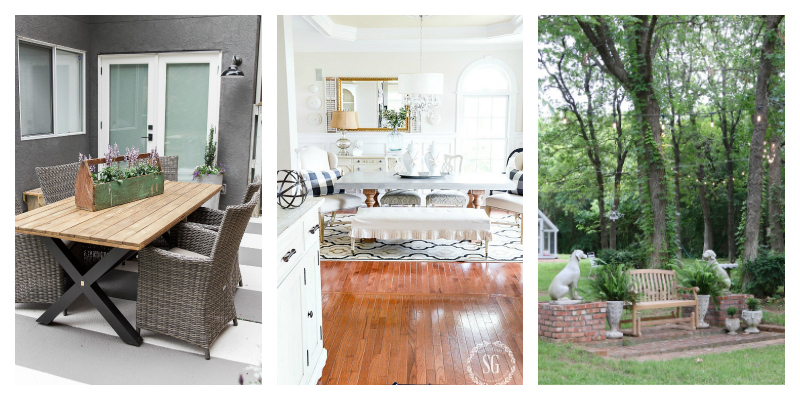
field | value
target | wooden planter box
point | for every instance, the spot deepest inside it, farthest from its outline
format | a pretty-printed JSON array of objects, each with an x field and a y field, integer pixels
[{"x": 91, "y": 197}]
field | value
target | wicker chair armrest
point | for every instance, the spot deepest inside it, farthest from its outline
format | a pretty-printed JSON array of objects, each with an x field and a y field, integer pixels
[
  {"x": 193, "y": 237},
  {"x": 206, "y": 216},
  {"x": 214, "y": 228},
  {"x": 154, "y": 254}
]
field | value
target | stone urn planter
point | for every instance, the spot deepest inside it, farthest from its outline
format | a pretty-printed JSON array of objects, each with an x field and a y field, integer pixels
[
  {"x": 702, "y": 309},
  {"x": 613, "y": 315},
  {"x": 214, "y": 179},
  {"x": 732, "y": 325},
  {"x": 752, "y": 318}
]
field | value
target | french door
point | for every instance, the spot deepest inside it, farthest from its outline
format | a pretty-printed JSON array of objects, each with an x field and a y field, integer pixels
[{"x": 165, "y": 100}]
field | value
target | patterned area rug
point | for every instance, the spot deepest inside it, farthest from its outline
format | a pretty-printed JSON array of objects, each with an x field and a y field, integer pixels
[{"x": 504, "y": 246}]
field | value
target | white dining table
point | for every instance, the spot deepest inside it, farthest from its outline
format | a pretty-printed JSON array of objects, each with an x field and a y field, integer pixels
[{"x": 475, "y": 182}]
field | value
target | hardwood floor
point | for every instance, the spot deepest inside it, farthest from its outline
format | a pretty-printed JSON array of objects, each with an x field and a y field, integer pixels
[{"x": 416, "y": 322}]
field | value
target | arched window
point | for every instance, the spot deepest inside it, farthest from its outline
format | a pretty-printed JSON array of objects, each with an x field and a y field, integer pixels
[{"x": 486, "y": 97}]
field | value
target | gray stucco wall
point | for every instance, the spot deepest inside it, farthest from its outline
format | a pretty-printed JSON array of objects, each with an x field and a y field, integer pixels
[
  {"x": 146, "y": 34},
  {"x": 29, "y": 154}
]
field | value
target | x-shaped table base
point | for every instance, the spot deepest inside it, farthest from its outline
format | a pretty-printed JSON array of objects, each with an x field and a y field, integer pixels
[{"x": 86, "y": 284}]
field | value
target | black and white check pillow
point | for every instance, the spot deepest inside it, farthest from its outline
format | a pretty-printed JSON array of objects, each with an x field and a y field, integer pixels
[
  {"x": 320, "y": 183},
  {"x": 516, "y": 176}
]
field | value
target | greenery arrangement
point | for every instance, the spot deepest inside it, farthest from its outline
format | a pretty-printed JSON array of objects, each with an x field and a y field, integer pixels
[
  {"x": 395, "y": 118},
  {"x": 731, "y": 311},
  {"x": 209, "y": 167},
  {"x": 628, "y": 256},
  {"x": 753, "y": 304},
  {"x": 768, "y": 272},
  {"x": 611, "y": 283},
  {"x": 131, "y": 166},
  {"x": 702, "y": 275}
]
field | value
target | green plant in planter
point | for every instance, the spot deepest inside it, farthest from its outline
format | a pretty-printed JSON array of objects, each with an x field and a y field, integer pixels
[
  {"x": 208, "y": 168},
  {"x": 731, "y": 311},
  {"x": 611, "y": 283},
  {"x": 753, "y": 304},
  {"x": 703, "y": 276}
]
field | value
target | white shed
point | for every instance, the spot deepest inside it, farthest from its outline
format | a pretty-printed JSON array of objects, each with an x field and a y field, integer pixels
[{"x": 548, "y": 240}]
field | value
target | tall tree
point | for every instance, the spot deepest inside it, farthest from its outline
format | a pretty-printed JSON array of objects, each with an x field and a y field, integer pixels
[
  {"x": 635, "y": 74},
  {"x": 755, "y": 179}
]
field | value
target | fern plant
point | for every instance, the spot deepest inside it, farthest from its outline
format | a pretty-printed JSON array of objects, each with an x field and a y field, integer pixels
[
  {"x": 611, "y": 283},
  {"x": 703, "y": 276}
]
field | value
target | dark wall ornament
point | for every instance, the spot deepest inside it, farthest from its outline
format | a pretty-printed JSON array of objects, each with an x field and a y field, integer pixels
[{"x": 292, "y": 189}]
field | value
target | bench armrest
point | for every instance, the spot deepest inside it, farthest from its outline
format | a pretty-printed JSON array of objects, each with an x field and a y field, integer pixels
[{"x": 690, "y": 289}]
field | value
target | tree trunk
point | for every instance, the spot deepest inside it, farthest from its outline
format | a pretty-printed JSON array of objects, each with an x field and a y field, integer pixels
[
  {"x": 654, "y": 172},
  {"x": 776, "y": 207},
  {"x": 755, "y": 180},
  {"x": 676, "y": 151},
  {"x": 708, "y": 231}
]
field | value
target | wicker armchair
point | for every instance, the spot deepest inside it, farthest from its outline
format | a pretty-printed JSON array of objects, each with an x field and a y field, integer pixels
[
  {"x": 58, "y": 183},
  {"x": 210, "y": 218},
  {"x": 186, "y": 292},
  {"x": 38, "y": 277},
  {"x": 170, "y": 166}
]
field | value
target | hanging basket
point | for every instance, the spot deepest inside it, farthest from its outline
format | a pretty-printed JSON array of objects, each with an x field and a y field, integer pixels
[{"x": 95, "y": 197}]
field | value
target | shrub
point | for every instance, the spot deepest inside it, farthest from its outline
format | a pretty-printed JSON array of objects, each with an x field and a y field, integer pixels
[
  {"x": 753, "y": 304},
  {"x": 732, "y": 311},
  {"x": 702, "y": 275},
  {"x": 611, "y": 256},
  {"x": 768, "y": 272},
  {"x": 611, "y": 283}
]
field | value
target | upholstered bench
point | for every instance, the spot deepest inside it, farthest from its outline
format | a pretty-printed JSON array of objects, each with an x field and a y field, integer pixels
[{"x": 422, "y": 224}]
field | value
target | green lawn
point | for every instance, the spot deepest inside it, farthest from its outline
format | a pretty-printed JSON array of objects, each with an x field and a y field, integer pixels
[{"x": 561, "y": 364}]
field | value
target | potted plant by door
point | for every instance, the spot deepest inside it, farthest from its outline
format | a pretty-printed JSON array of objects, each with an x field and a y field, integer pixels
[
  {"x": 612, "y": 284},
  {"x": 709, "y": 285},
  {"x": 752, "y": 316},
  {"x": 210, "y": 172},
  {"x": 732, "y": 323}
]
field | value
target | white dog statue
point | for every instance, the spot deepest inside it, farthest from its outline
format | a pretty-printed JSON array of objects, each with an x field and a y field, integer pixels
[
  {"x": 565, "y": 285},
  {"x": 711, "y": 257}
]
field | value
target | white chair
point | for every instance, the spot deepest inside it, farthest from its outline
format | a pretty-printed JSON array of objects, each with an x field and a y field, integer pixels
[
  {"x": 508, "y": 201},
  {"x": 399, "y": 197},
  {"x": 312, "y": 158},
  {"x": 451, "y": 164}
]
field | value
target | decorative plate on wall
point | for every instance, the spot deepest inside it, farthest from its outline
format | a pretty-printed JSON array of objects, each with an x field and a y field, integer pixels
[
  {"x": 314, "y": 102},
  {"x": 315, "y": 119},
  {"x": 434, "y": 118},
  {"x": 313, "y": 88}
]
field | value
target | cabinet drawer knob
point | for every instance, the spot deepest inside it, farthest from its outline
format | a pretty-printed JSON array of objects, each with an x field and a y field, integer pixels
[
  {"x": 380, "y": 169},
  {"x": 314, "y": 229},
  {"x": 358, "y": 168},
  {"x": 289, "y": 255},
  {"x": 358, "y": 161},
  {"x": 310, "y": 314}
]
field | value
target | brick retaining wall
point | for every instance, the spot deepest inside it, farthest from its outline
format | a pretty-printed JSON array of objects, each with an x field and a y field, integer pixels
[
  {"x": 716, "y": 315},
  {"x": 572, "y": 323}
]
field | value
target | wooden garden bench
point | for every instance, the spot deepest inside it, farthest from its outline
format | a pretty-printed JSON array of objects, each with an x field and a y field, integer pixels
[{"x": 658, "y": 288}]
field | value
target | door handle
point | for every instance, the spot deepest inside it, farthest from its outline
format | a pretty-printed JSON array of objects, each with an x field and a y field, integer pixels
[
  {"x": 149, "y": 137},
  {"x": 310, "y": 314},
  {"x": 314, "y": 229}
]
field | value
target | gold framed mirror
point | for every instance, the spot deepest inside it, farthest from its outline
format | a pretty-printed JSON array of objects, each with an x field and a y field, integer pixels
[{"x": 369, "y": 97}]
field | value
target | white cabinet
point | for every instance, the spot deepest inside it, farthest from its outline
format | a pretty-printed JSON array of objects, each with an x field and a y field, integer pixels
[
  {"x": 301, "y": 355},
  {"x": 373, "y": 163}
]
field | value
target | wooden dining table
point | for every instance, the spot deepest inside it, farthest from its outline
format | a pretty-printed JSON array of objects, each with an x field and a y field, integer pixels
[{"x": 126, "y": 228}]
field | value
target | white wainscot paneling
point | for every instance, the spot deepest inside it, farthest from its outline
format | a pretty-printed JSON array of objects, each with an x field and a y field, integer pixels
[{"x": 374, "y": 142}]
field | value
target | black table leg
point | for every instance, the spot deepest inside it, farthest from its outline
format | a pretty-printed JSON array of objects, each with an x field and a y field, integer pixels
[{"x": 86, "y": 283}]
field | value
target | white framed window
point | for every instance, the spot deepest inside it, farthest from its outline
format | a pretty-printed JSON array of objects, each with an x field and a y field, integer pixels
[
  {"x": 486, "y": 98},
  {"x": 52, "y": 90}
]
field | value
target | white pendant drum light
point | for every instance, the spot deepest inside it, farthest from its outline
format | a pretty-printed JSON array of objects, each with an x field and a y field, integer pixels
[{"x": 421, "y": 89}]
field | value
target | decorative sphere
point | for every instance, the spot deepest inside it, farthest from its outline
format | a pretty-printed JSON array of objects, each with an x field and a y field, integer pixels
[{"x": 292, "y": 189}]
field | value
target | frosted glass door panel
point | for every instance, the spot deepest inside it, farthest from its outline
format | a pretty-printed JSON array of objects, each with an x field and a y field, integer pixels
[
  {"x": 186, "y": 115},
  {"x": 35, "y": 89},
  {"x": 128, "y": 106},
  {"x": 69, "y": 104}
]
